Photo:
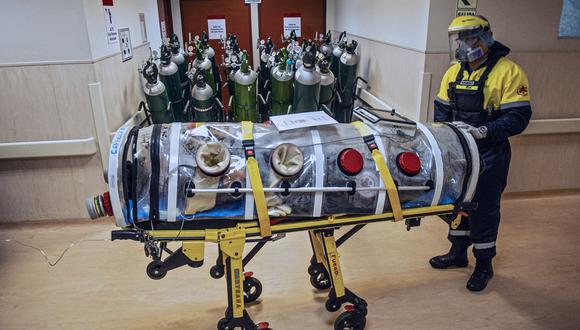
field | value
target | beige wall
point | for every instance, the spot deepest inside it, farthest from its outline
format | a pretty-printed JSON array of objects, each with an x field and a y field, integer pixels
[{"x": 46, "y": 101}]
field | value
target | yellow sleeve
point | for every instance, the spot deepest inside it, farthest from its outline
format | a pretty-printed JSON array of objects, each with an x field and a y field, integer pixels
[
  {"x": 516, "y": 88},
  {"x": 449, "y": 77}
]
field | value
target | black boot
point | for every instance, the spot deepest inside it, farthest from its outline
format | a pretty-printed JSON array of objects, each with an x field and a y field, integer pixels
[
  {"x": 457, "y": 256},
  {"x": 481, "y": 275}
]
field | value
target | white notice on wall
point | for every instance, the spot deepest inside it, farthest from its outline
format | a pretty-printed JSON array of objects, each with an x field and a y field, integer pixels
[
  {"x": 216, "y": 27},
  {"x": 466, "y": 7},
  {"x": 163, "y": 30},
  {"x": 301, "y": 120},
  {"x": 112, "y": 37},
  {"x": 292, "y": 23}
]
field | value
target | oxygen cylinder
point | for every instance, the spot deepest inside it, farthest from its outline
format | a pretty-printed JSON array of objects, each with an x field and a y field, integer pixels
[
  {"x": 209, "y": 53},
  {"x": 203, "y": 63},
  {"x": 169, "y": 75},
  {"x": 156, "y": 95},
  {"x": 337, "y": 53},
  {"x": 203, "y": 101},
  {"x": 264, "y": 76},
  {"x": 326, "y": 48},
  {"x": 326, "y": 87},
  {"x": 245, "y": 92},
  {"x": 306, "y": 86},
  {"x": 346, "y": 80},
  {"x": 178, "y": 57},
  {"x": 281, "y": 81}
]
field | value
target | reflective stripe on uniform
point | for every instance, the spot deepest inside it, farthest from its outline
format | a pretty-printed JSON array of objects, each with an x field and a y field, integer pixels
[
  {"x": 459, "y": 232},
  {"x": 442, "y": 101},
  {"x": 514, "y": 105},
  {"x": 481, "y": 246}
]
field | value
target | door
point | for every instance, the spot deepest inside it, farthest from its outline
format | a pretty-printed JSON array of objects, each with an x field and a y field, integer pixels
[
  {"x": 165, "y": 18},
  {"x": 195, "y": 13},
  {"x": 312, "y": 15}
]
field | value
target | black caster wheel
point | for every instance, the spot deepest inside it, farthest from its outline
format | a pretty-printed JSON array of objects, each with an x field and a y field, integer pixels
[
  {"x": 222, "y": 324},
  {"x": 350, "y": 321},
  {"x": 320, "y": 281},
  {"x": 155, "y": 271},
  {"x": 332, "y": 305},
  {"x": 216, "y": 271},
  {"x": 252, "y": 289}
]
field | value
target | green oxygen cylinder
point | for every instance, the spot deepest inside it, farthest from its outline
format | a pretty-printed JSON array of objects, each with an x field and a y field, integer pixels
[
  {"x": 178, "y": 57},
  {"x": 245, "y": 94},
  {"x": 169, "y": 75},
  {"x": 306, "y": 86},
  {"x": 203, "y": 101},
  {"x": 203, "y": 63},
  {"x": 346, "y": 82},
  {"x": 156, "y": 95},
  {"x": 327, "y": 83},
  {"x": 337, "y": 53},
  {"x": 281, "y": 77},
  {"x": 209, "y": 53}
]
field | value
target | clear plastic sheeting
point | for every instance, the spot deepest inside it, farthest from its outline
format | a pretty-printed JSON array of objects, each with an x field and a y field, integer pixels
[{"x": 208, "y": 171}]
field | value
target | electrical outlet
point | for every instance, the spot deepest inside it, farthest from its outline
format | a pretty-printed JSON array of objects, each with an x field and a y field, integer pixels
[{"x": 125, "y": 42}]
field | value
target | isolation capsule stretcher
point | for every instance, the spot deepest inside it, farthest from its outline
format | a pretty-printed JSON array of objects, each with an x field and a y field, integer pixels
[{"x": 186, "y": 171}]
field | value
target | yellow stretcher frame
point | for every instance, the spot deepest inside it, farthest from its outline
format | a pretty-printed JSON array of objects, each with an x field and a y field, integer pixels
[{"x": 232, "y": 240}]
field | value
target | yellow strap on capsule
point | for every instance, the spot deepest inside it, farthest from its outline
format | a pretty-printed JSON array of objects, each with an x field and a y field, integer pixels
[
  {"x": 256, "y": 181},
  {"x": 392, "y": 191}
]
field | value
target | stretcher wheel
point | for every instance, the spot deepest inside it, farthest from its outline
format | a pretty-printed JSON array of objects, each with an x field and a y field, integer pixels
[
  {"x": 216, "y": 271},
  {"x": 321, "y": 280},
  {"x": 155, "y": 271},
  {"x": 332, "y": 305},
  {"x": 350, "y": 321},
  {"x": 252, "y": 289}
]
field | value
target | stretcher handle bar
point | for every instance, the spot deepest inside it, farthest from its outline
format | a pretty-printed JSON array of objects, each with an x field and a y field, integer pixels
[{"x": 305, "y": 189}]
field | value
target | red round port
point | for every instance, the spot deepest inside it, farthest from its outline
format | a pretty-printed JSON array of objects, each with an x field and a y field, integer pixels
[
  {"x": 409, "y": 163},
  {"x": 350, "y": 161},
  {"x": 107, "y": 204}
]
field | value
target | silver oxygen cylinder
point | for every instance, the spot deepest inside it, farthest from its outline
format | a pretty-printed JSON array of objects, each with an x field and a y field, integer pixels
[
  {"x": 306, "y": 86},
  {"x": 203, "y": 101},
  {"x": 327, "y": 83},
  {"x": 346, "y": 82},
  {"x": 156, "y": 95},
  {"x": 337, "y": 53}
]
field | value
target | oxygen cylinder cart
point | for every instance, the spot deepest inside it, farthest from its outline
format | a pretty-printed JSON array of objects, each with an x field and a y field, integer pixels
[
  {"x": 306, "y": 85},
  {"x": 156, "y": 94},
  {"x": 281, "y": 82},
  {"x": 245, "y": 94},
  {"x": 169, "y": 75}
]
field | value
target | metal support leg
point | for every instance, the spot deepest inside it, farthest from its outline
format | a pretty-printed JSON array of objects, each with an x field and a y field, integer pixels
[
  {"x": 319, "y": 276},
  {"x": 231, "y": 246},
  {"x": 355, "y": 315}
]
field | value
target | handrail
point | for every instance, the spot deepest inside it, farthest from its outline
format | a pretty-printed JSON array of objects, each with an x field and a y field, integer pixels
[{"x": 44, "y": 149}]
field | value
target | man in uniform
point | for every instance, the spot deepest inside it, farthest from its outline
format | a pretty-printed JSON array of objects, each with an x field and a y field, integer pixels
[{"x": 487, "y": 95}]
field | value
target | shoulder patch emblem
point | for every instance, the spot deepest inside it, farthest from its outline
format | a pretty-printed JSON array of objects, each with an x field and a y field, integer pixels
[{"x": 523, "y": 90}]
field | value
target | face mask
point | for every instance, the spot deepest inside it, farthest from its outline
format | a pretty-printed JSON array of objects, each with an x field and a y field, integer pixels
[{"x": 466, "y": 53}]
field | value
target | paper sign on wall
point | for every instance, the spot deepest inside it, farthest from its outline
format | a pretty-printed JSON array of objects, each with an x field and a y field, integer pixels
[
  {"x": 466, "y": 7},
  {"x": 112, "y": 37},
  {"x": 163, "y": 30},
  {"x": 292, "y": 22},
  {"x": 216, "y": 27}
]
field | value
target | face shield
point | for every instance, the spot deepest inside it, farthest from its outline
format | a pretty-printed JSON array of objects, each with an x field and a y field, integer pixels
[{"x": 465, "y": 46}]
